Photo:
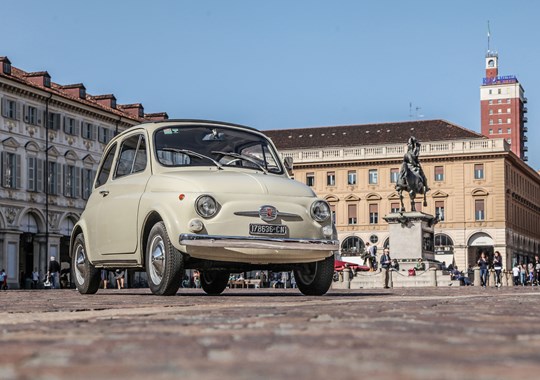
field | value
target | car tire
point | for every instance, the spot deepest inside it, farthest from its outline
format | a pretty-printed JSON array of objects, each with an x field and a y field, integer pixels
[
  {"x": 164, "y": 263},
  {"x": 214, "y": 282},
  {"x": 86, "y": 276},
  {"x": 314, "y": 279}
]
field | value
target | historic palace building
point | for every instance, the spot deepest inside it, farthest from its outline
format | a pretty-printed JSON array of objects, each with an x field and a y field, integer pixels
[
  {"x": 484, "y": 195},
  {"x": 51, "y": 140}
]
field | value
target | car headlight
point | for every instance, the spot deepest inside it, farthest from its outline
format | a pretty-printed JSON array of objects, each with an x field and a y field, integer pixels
[
  {"x": 320, "y": 211},
  {"x": 206, "y": 206}
]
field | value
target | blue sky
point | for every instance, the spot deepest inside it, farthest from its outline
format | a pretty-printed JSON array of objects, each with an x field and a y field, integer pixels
[{"x": 283, "y": 64}]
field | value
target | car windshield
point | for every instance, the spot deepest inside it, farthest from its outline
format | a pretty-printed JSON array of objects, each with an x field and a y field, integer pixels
[{"x": 180, "y": 146}]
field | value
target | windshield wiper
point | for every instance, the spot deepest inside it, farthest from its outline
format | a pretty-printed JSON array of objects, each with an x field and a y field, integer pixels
[
  {"x": 194, "y": 154},
  {"x": 242, "y": 157}
]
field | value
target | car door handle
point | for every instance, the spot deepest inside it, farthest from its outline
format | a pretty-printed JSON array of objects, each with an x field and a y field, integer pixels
[{"x": 104, "y": 192}]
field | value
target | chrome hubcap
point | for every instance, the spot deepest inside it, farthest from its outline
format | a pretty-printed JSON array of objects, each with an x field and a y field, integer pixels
[
  {"x": 157, "y": 259},
  {"x": 307, "y": 273},
  {"x": 80, "y": 260}
]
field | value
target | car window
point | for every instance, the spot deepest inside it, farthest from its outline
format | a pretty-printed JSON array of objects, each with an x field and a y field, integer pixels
[
  {"x": 215, "y": 146},
  {"x": 132, "y": 158},
  {"x": 105, "y": 169}
]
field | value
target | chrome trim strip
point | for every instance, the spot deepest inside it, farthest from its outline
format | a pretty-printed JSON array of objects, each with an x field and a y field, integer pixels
[
  {"x": 258, "y": 242},
  {"x": 256, "y": 213}
]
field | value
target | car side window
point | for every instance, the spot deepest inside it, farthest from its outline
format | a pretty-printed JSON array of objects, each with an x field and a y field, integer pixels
[
  {"x": 105, "y": 169},
  {"x": 132, "y": 158}
]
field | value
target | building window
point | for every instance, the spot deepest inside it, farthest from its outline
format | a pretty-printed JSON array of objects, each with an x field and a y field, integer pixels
[
  {"x": 508, "y": 110},
  {"x": 373, "y": 176},
  {"x": 499, "y": 92},
  {"x": 104, "y": 135},
  {"x": 499, "y": 121},
  {"x": 11, "y": 170},
  {"x": 508, "y": 121},
  {"x": 331, "y": 178},
  {"x": 87, "y": 180},
  {"x": 34, "y": 181},
  {"x": 491, "y": 112},
  {"x": 490, "y": 91},
  {"x": 333, "y": 212},
  {"x": 509, "y": 141},
  {"x": 54, "y": 180},
  {"x": 71, "y": 181},
  {"x": 478, "y": 171},
  {"x": 352, "y": 214},
  {"x": 490, "y": 121},
  {"x": 508, "y": 101},
  {"x": 509, "y": 130},
  {"x": 500, "y": 131},
  {"x": 439, "y": 173},
  {"x": 394, "y": 175},
  {"x": 54, "y": 121},
  {"x": 374, "y": 239},
  {"x": 443, "y": 244},
  {"x": 310, "y": 179},
  {"x": 490, "y": 131},
  {"x": 479, "y": 210},
  {"x": 31, "y": 115},
  {"x": 352, "y": 246},
  {"x": 395, "y": 207},
  {"x": 490, "y": 101},
  {"x": 499, "y": 110},
  {"x": 351, "y": 177},
  {"x": 439, "y": 210},
  {"x": 88, "y": 131},
  {"x": 499, "y": 101},
  {"x": 9, "y": 108},
  {"x": 373, "y": 214},
  {"x": 71, "y": 126}
]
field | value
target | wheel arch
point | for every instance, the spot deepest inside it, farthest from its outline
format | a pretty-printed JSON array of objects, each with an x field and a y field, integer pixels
[{"x": 152, "y": 218}]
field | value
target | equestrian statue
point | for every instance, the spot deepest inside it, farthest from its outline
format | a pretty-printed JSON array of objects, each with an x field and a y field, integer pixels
[{"x": 411, "y": 176}]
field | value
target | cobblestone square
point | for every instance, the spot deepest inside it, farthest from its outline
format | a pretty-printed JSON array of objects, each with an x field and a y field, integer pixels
[{"x": 428, "y": 333}]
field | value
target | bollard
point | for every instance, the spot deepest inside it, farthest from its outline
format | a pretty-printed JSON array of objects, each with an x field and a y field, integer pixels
[
  {"x": 432, "y": 272},
  {"x": 347, "y": 278},
  {"x": 477, "y": 281}
]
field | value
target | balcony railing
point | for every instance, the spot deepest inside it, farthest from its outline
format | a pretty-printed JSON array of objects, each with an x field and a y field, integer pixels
[{"x": 392, "y": 151}]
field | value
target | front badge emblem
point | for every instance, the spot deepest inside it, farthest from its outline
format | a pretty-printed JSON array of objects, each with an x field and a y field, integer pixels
[{"x": 268, "y": 213}]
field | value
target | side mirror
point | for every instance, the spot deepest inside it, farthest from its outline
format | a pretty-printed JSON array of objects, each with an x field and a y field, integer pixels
[{"x": 288, "y": 161}]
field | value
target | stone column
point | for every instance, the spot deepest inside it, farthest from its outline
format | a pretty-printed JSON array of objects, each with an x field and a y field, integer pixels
[
  {"x": 347, "y": 278},
  {"x": 477, "y": 281},
  {"x": 432, "y": 272}
]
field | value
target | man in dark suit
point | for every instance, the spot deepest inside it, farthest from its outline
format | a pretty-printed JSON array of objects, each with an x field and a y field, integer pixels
[{"x": 385, "y": 265}]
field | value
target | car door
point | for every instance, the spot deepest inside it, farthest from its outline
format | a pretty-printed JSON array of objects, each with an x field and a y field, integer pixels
[{"x": 120, "y": 197}]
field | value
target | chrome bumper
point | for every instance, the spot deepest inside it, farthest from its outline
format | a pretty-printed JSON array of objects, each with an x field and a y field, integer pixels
[{"x": 257, "y": 242}]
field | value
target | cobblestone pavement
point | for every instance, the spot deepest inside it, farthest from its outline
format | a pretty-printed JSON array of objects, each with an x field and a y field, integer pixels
[{"x": 429, "y": 333}]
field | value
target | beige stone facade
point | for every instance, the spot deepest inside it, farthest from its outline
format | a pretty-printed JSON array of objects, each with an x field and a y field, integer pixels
[{"x": 486, "y": 197}]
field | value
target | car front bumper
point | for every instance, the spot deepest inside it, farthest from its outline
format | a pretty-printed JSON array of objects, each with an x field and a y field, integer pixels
[{"x": 258, "y": 242}]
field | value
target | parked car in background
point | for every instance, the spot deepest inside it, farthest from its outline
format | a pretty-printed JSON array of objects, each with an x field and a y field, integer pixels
[{"x": 205, "y": 195}]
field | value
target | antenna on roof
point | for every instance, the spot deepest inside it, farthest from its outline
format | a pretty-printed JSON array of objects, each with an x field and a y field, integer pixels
[{"x": 488, "y": 35}]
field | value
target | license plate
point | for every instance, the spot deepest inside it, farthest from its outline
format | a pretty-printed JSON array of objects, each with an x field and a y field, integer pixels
[{"x": 267, "y": 229}]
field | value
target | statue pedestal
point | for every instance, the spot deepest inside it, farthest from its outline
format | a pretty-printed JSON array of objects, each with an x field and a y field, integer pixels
[{"x": 411, "y": 238}]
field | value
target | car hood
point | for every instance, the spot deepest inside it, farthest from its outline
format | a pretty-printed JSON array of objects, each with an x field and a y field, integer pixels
[{"x": 228, "y": 181}]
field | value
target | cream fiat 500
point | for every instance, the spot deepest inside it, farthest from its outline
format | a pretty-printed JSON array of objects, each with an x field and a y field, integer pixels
[{"x": 188, "y": 194}]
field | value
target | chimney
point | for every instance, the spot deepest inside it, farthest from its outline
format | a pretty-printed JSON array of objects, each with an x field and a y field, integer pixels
[
  {"x": 76, "y": 90},
  {"x": 5, "y": 64},
  {"x": 156, "y": 116},
  {"x": 108, "y": 100},
  {"x": 40, "y": 78},
  {"x": 134, "y": 110}
]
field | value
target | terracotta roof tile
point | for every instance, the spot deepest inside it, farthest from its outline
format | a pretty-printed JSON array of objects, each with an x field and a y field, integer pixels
[{"x": 369, "y": 134}]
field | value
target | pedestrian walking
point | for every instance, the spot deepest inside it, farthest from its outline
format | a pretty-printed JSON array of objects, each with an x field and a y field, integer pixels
[
  {"x": 54, "y": 273},
  {"x": 385, "y": 265},
  {"x": 483, "y": 264},
  {"x": 3, "y": 280},
  {"x": 523, "y": 274},
  {"x": 515, "y": 273},
  {"x": 35, "y": 278},
  {"x": 497, "y": 265}
]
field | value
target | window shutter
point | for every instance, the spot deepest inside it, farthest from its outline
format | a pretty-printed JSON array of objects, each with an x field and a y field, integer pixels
[
  {"x": 352, "y": 211},
  {"x": 94, "y": 132},
  {"x": 76, "y": 183},
  {"x": 4, "y": 107},
  {"x": 64, "y": 169},
  {"x": 373, "y": 208},
  {"x": 38, "y": 116},
  {"x": 39, "y": 176},
  {"x": 30, "y": 182},
  {"x": 18, "y": 171},
  {"x": 26, "y": 118},
  {"x": 76, "y": 129},
  {"x": 17, "y": 110},
  {"x": 4, "y": 168},
  {"x": 58, "y": 179},
  {"x": 65, "y": 124},
  {"x": 57, "y": 121}
]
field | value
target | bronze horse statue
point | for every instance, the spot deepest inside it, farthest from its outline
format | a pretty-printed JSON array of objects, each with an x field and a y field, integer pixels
[{"x": 411, "y": 176}]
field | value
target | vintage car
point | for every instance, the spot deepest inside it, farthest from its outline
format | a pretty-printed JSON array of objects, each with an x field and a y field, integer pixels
[{"x": 190, "y": 194}]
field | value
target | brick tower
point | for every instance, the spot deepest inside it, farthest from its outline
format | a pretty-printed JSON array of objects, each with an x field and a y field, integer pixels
[{"x": 502, "y": 106}]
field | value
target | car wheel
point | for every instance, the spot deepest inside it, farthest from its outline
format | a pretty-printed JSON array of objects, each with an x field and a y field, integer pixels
[
  {"x": 314, "y": 279},
  {"x": 214, "y": 282},
  {"x": 164, "y": 264},
  {"x": 86, "y": 276}
]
